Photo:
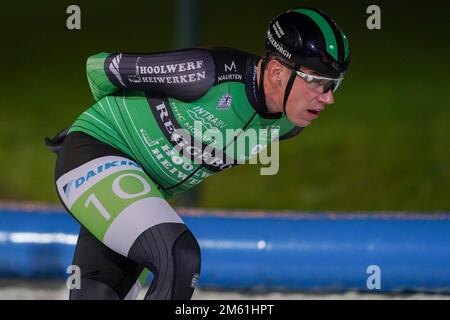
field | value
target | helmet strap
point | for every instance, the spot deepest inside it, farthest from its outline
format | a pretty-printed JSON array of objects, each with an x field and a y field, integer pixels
[
  {"x": 261, "y": 79},
  {"x": 288, "y": 90},
  {"x": 288, "y": 85}
]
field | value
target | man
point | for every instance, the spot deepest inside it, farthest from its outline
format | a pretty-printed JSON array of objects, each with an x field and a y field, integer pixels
[{"x": 143, "y": 141}]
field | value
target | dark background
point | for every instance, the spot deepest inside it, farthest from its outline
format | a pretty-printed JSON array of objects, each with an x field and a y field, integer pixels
[{"x": 382, "y": 146}]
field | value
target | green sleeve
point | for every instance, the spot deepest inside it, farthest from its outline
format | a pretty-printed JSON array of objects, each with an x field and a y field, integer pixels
[{"x": 98, "y": 80}]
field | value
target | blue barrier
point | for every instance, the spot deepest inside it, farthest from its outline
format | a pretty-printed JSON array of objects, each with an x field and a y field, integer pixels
[{"x": 248, "y": 250}]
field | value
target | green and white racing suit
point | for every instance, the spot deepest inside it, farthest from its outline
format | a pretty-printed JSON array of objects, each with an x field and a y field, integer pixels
[{"x": 125, "y": 155}]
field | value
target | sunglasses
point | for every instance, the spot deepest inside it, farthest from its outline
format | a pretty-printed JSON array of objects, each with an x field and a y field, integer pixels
[{"x": 317, "y": 84}]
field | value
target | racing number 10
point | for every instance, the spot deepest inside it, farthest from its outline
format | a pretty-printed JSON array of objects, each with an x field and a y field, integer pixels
[{"x": 118, "y": 191}]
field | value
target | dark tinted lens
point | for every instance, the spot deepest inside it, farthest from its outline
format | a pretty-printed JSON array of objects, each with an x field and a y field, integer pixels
[{"x": 330, "y": 85}]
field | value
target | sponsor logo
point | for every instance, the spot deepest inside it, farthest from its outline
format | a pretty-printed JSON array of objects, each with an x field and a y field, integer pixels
[
  {"x": 177, "y": 112},
  {"x": 208, "y": 120},
  {"x": 277, "y": 28},
  {"x": 86, "y": 176},
  {"x": 278, "y": 46},
  {"x": 254, "y": 82},
  {"x": 225, "y": 102},
  {"x": 215, "y": 159},
  {"x": 183, "y": 140},
  {"x": 164, "y": 118},
  {"x": 205, "y": 137},
  {"x": 207, "y": 126},
  {"x": 171, "y": 68},
  {"x": 231, "y": 67},
  {"x": 114, "y": 68},
  {"x": 168, "y": 73},
  {"x": 226, "y": 77},
  {"x": 233, "y": 76},
  {"x": 67, "y": 187}
]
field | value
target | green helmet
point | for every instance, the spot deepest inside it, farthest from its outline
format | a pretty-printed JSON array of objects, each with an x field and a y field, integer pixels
[{"x": 308, "y": 37}]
